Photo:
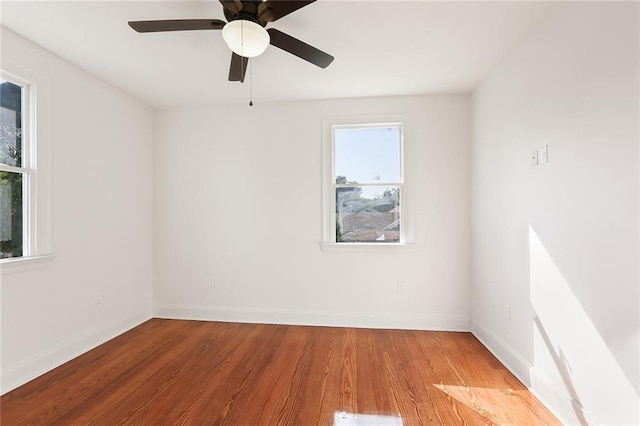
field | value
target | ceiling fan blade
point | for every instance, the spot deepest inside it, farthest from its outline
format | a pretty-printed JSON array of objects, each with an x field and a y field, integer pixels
[
  {"x": 300, "y": 49},
  {"x": 238, "y": 68},
  {"x": 272, "y": 10},
  {"x": 176, "y": 25},
  {"x": 233, "y": 6}
]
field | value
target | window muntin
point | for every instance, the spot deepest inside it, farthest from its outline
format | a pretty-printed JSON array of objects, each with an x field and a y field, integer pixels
[
  {"x": 367, "y": 183},
  {"x": 16, "y": 175}
]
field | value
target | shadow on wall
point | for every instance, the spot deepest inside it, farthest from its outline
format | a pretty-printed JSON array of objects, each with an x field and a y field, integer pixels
[
  {"x": 560, "y": 362},
  {"x": 568, "y": 352}
]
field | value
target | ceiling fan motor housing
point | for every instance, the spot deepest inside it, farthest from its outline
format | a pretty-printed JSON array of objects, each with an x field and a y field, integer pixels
[{"x": 250, "y": 12}]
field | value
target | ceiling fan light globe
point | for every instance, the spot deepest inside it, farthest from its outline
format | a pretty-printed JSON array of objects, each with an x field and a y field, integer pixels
[{"x": 245, "y": 38}]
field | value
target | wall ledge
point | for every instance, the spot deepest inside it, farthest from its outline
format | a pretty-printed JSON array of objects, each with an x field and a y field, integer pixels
[{"x": 22, "y": 264}]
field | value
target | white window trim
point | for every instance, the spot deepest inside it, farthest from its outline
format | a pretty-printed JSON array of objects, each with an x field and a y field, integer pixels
[
  {"x": 39, "y": 245},
  {"x": 328, "y": 243},
  {"x": 13, "y": 265}
]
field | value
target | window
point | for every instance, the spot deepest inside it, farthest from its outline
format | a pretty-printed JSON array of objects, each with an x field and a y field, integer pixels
[
  {"x": 365, "y": 188},
  {"x": 16, "y": 174},
  {"x": 24, "y": 195}
]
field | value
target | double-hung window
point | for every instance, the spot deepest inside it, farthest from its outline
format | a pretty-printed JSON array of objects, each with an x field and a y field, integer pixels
[
  {"x": 365, "y": 182},
  {"x": 25, "y": 171},
  {"x": 17, "y": 176}
]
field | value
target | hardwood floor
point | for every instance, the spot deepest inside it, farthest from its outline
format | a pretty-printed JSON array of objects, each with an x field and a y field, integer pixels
[{"x": 192, "y": 372}]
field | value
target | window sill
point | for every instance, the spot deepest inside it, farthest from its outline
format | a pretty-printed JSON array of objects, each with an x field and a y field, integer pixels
[
  {"x": 366, "y": 248},
  {"x": 21, "y": 264}
]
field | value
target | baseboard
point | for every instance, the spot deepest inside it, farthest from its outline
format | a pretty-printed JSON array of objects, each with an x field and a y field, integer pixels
[
  {"x": 568, "y": 411},
  {"x": 508, "y": 356},
  {"x": 565, "y": 408},
  {"x": 29, "y": 369},
  {"x": 314, "y": 318}
]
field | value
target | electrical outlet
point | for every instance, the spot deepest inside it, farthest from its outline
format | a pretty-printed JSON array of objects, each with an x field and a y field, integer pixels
[
  {"x": 98, "y": 298},
  {"x": 401, "y": 288},
  {"x": 213, "y": 282}
]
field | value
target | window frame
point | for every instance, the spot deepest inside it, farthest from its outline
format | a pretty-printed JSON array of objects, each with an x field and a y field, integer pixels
[
  {"x": 26, "y": 169},
  {"x": 36, "y": 140},
  {"x": 329, "y": 124}
]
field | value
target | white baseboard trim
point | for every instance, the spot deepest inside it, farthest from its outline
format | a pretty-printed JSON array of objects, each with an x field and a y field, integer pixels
[
  {"x": 568, "y": 411},
  {"x": 35, "y": 366},
  {"x": 565, "y": 408},
  {"x": 508, "y": 356},
  {"x": 314, "y": 318}
]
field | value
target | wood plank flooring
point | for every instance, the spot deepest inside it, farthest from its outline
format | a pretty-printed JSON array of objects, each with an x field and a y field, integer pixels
[{"x": 193, "y": 372}]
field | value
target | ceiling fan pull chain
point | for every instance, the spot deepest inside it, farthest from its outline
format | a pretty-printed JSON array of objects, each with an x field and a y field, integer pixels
[
  {"x": 250, "y": 66},
  {"x": 251, "y": 83}
]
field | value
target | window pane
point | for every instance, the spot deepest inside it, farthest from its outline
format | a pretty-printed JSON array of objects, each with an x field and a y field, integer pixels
[
  {"x": 368, "y": 214},
  {"x": 10, "y": 214},
  {"x": 10, "y": 124},
  {"x": 367, "y": 155}
]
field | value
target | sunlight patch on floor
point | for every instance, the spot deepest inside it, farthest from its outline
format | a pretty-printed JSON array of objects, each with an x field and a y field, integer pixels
[{"x": 480, "y": 398}]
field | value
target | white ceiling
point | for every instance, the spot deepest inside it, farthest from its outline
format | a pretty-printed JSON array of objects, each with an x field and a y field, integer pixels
[{"x": 381, "y": 47}]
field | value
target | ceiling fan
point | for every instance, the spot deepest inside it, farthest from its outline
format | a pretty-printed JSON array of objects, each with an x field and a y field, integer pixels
[{"x": 244, "y": 32}]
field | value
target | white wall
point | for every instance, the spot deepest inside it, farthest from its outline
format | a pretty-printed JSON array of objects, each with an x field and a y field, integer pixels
[
  {"x": 102, "y": 223},
  {"x": 558, "y": 243},
  {"x": 238, "y": 197}
]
